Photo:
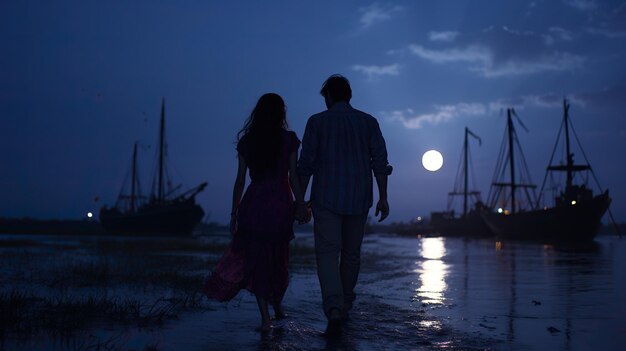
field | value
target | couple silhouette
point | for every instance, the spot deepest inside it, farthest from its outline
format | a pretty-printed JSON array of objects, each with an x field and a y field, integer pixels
[{"x": 341, "y": 148}]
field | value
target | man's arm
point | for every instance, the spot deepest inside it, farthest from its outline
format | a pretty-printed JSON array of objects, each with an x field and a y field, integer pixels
[
  {"x": 308, "y": 155},
  {"x": 304, "y": 182},
  {"x": 381, "y": 168},
  {"x": 382, "y": 206}
]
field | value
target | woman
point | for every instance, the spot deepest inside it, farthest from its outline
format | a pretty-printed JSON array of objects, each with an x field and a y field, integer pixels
[{"x": 262, "y": 222}]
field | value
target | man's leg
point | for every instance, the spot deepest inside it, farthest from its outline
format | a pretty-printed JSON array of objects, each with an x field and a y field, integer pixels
[
  {"x": 353, "y": 228},
  {"x": 327, "y": 229}
]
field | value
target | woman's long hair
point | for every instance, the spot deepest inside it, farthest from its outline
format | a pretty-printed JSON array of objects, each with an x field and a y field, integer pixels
[{"x": 261, "y": 136}]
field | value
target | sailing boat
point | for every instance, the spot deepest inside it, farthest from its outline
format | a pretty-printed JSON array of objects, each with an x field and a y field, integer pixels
[
  {"x": 470, "y": 223},
  {"x": 163, "y": 212},
  {"x": 576, "y": 212}
]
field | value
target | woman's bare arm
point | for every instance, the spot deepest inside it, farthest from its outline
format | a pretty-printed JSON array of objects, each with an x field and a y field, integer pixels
[
  {"x": 293, "y": 178},
  {"x": 303, "y": 214}
]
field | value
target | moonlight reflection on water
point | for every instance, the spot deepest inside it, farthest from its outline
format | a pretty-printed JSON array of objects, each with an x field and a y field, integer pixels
[
  {"x": 432, "y": 271},
  {"x": 413, "y": 293}
]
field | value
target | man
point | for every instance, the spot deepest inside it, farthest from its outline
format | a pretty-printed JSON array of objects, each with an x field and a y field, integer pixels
[{"x": 341, "y": 148}]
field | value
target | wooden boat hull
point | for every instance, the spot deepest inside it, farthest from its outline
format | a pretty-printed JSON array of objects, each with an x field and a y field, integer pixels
[
  {"x": 472, "y": 225},
  {"x": 579, "y": 222},
  {"x": 178, "y": 218}
]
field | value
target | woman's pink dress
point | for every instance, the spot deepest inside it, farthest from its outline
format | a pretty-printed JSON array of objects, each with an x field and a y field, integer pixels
[{"x": 258, "y": 255}]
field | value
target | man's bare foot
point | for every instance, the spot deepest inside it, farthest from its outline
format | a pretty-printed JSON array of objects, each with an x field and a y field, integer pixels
[
  {"x": 333, "y": 329},
  {"x": 279, "y": 312},
  {"x": 265, "y": 327}
]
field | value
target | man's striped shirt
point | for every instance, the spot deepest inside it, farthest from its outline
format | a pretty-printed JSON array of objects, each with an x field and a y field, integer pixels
[{"x": 341, "y": 147}]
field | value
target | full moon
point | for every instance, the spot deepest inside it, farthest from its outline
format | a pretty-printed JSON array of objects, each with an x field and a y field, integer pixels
[{"x": 432, "y": 160}]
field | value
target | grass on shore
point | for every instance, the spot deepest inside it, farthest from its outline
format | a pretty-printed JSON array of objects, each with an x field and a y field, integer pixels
[{"x": 60, "y": 288}]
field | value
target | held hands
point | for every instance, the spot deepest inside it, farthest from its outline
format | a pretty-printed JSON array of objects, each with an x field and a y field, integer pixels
[
  {"x": 382, "y": 207},
  {"x": 303, "y": 213}
]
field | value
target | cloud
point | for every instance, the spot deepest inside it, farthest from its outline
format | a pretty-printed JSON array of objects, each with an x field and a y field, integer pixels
[
  {"x": 471, "y": 53},
  {"x": 548, "y": 100},
  {"x": 442, "y": 113},
  {"x": 557, "y": 34},
  {"x": 483, "y": 60},
  {"x": 374, "y": 71},
  {"x": 582, "y": 5},
  {"x": 555, "y": 62},
  {"x": 516, "y": 32},
  {"x": 446, "y": 36},
  {"x": 608, "y": 97},
  {"x": 448, "y": 113},
  {"x": 610, "y": 24},
  {"x": 619, "y": 10},
  {"x": 531, "y": 8},
  {"x": 376, "y": 13},
  {"x": 561, "y": 33},
  {"x": 607, "y": 33}
]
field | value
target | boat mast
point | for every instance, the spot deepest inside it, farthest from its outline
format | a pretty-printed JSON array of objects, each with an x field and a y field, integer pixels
[
  {"x": 569, "y": 168},
  {"x": 133, "y": 179},
  {"x": 161, "y": 142},
  {"x": 570, "y": 158},
  {"x": 511, "y": 159},
  {"x": 465, "y": 174},
  {"x": 464, "y": 168}
]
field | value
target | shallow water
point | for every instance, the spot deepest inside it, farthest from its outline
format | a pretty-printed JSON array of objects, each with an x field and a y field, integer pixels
[{"x": 417, "y": 294}]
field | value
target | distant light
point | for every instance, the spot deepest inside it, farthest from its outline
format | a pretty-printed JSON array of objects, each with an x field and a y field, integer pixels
[
  {"x": 500, "y": 210},
  {"x": 419, "y": 218},
  {"x": 89, "y": 214},
  {"x": 498, "y": 245},
  {"x": 432, "y": 160},
  {"x": 506, "y": 212},
  {"x": 573, "y": 202}
]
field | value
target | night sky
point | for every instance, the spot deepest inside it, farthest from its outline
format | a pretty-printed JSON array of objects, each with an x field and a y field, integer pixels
[{"x": 81, "y": 81}]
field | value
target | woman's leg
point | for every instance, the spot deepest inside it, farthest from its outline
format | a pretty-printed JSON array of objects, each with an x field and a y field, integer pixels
[
  {"x": 265, "y": 315},
  {"x": 282, "y": 276}
]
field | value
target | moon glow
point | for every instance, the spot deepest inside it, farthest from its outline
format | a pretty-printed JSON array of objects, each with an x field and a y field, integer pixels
[{"x": 432, "y": 160}]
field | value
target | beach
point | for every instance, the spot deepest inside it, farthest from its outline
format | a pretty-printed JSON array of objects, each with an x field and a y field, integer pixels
[{"x": 414, "y": 293}]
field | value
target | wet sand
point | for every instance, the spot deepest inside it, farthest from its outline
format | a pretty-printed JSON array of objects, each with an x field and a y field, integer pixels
[{"x": 413, "y": 294}]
